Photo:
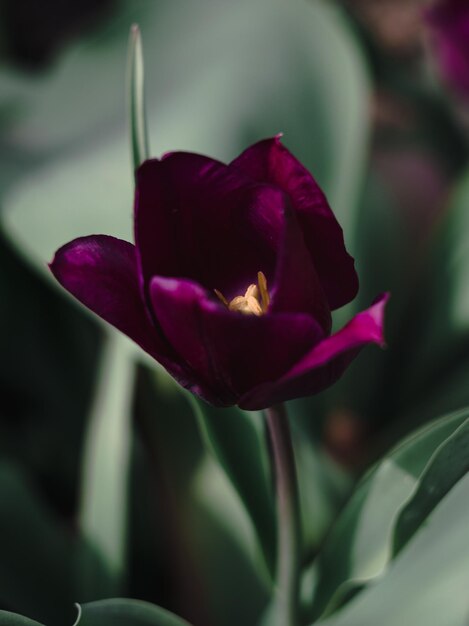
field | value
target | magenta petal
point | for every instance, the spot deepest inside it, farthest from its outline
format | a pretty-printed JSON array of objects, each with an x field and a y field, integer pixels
[
  {"x": 231, "y": 352},
  {"x": 270, "y": 162},
  {"x": 101, "y": 272},
  {"x": 324, "y": 363},
  {"x": 195, "y": 217}
]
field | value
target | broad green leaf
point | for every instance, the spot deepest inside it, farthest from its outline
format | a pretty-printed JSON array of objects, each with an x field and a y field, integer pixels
[
  {"x": 236, "y": 438},
  {"x": 247, "y": 70},
  {"x": 447, "y": 466},
  {"x": 124, "y": 612},
  {"x": 360, "y": 545},
  {"x": 427, "y": 583},
  {"x": 13, "y": 619}
]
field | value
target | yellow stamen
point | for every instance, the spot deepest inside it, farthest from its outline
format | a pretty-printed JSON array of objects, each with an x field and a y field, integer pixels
[
  {"x": 254, "y": 302},
  {"x": 265, "y": 298},
  {"x": 222, "y": 297}
]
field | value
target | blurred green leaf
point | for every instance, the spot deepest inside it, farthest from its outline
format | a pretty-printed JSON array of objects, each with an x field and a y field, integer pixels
[
  {"x": 106, "y": 452},
  {"x": 112, "y": 612},
  {"x": 424, "y": 369},
  {"x": 13, "y": 619},
  {"x": 47, "y": 371},
  {"x": 445, "y": 318},
  {"x": 431, "y": 373},
  {"x": 123, "y": 612},
  {"x": 236, "y": 439},
  {"x": 247, "y": 69},
  {"x": 360, "y": 545},
  {"x": 452, "y": 255},
  {"x": 322, "y": 486},
  {"x": 36, "y": 568},
  {"x": 224, "y": 535},
  {"x": 186, "y": 519},
  {"x": 41, "y": 556}
]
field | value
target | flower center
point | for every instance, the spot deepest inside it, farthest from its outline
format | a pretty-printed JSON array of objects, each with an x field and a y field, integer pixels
[{"x": 254, "y": 302}]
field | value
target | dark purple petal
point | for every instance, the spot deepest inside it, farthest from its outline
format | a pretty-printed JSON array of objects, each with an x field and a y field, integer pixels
[
  {"x": 324, "y": 363},
  {"x": 449, "y": 29},
  {"x": 230, "y": 351},
  {"x": 197, "y": 218},
  {"x": 270, "y": 162},
  {"x": 101, "y": 272},
  {"x": 296, "y": 287}
]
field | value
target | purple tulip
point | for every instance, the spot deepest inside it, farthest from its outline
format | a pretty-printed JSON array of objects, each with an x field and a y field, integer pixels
[
  {"x": 232, "y": 278},
  {"x": 448, "y": 21}
]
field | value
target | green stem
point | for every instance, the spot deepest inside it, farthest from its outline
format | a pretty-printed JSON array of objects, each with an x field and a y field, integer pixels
[
  {"x": 288, "y": 517},
  {"x": 136, "y": 97}
]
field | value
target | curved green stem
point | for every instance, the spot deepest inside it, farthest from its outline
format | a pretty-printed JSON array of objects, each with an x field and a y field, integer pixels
[{"x": 287, "y": 577}]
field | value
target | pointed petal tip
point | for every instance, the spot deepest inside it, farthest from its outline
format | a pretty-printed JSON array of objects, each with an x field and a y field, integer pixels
[{"x": 376, "y": 312}]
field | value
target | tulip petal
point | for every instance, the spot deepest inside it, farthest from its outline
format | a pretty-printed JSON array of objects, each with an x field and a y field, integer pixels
[
  {"x": 230, "y": 351},
  {"x": 101, "y": 272},
  {"x": 297, "y": 288},
  {"x": 324, "y": 363},
  {"x": 269, "y": 161},
  {"x": 196, "y": 217}
]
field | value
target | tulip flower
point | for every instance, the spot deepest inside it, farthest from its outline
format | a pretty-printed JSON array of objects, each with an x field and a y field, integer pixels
[
  {"x": 232, "y": 279},
  {"x": 448, "y": 21}
]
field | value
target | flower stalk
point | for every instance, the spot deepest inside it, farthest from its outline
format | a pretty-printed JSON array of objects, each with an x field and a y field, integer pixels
[{"x": 287, "y": 577}]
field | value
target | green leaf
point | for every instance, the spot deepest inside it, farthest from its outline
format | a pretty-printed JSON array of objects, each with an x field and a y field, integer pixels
[
  {"x": 414, "y": 452},
  {"x": 427, "y": 583},
  {"x": 187, "y": 521},
  {"x": 138, "y": 121},
  {"x": 443, "y": 354},
  {"x": 48, "y": 370},
  {"x": 13, "y": 619},
  {"x": 323, "y": 485},
  {"x": 40, "y": 555},
  {"x": 447, "y": 466},
  {"x": 123, "y": 612},
  {"x": 360, "y": 545},
  {"x": 113, "y": 612},
  {"x": 103, "y": 511},
  {"x": 236, "y": 439},
  {"x": 452, "y": 253},
  {"x": 429, "y": 339}
]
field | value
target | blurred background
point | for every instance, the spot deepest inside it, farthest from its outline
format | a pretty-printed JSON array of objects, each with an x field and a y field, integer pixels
[{"x": 106, "y": 488}]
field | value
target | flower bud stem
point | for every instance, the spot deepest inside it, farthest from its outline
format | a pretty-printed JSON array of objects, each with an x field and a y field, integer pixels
[{"x": 287, "y": 577}]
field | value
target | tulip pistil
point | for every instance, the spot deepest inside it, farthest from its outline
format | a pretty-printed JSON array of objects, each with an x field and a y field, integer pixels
[{"x": 255, "y": 301}]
